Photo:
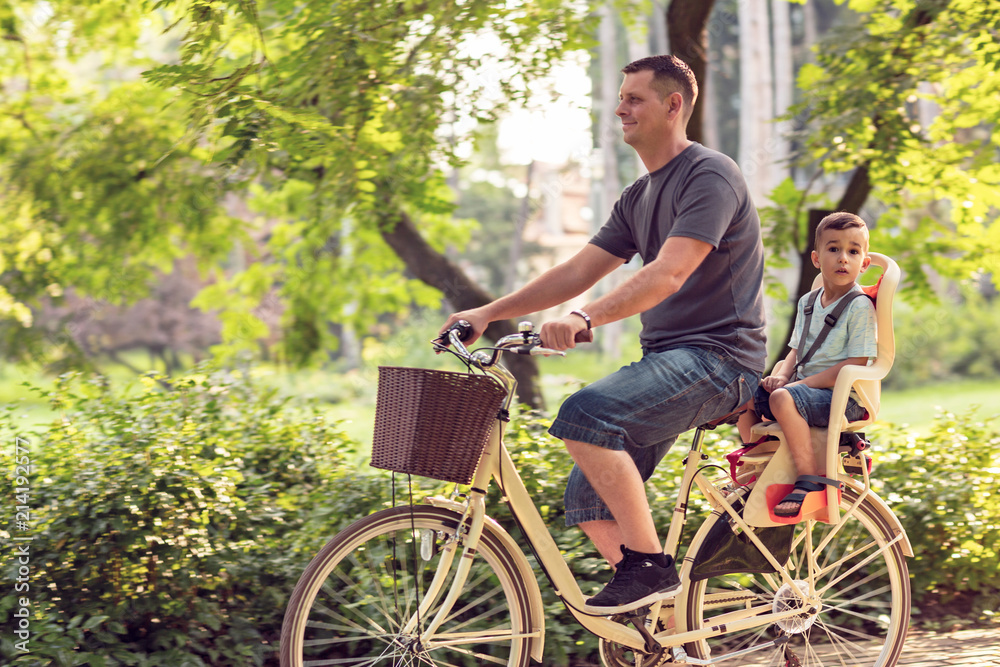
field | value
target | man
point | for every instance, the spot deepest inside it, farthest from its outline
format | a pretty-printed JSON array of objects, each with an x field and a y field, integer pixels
[{"x": 699, "y": 295}]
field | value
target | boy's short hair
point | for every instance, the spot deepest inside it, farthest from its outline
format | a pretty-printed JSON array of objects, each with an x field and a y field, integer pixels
[
  {"x": 841, "y": 220},
  {"x": 670, "y": 74}
]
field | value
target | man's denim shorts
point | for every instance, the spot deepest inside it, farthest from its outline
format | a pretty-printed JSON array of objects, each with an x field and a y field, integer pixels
[
  {"x": 812, "y": 403},
  {"x": 643, "y": 407}
]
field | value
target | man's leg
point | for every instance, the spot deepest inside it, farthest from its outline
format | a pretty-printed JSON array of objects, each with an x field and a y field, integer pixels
[
  {"x": 606, "y": 427},
  {"x": 607, "y": 538},
  {"x": 643, "y": 573},
  {"x": 615, "y": 478}
]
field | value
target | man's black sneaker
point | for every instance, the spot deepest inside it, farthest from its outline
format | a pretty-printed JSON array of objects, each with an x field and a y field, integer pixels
[{"x": 637, "y": 581}]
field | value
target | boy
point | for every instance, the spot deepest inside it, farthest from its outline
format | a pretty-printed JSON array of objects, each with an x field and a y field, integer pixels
[{"x": 798, "y": 393}]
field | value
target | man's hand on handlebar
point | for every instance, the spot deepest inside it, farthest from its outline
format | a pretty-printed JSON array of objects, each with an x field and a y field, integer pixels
[
  {"x": 557, "y": 335},
  {"x": 565, "y": 333},
  {"x": 478, "y": 321}
]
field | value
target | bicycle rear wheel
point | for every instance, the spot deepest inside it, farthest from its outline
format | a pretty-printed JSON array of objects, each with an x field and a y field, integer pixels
[
  {"x": 858, "y": 580},
  {"x": 353, "y": 602}
]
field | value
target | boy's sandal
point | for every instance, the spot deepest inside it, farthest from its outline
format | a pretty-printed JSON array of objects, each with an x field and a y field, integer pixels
[{"x": 804, "y": 485}]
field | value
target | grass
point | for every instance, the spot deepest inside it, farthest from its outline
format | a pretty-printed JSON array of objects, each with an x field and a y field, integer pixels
[{"x": 917, "y": 407}]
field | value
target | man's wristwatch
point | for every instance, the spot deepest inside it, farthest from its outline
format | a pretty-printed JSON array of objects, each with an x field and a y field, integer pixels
[{"x": 585, "y": 316}]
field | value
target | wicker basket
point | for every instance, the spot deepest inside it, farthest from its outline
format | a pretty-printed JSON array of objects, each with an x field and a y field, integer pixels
[{"x": 433, "y": 423}]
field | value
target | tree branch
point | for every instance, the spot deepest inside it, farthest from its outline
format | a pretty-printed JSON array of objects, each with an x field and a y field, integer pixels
[{"x": 433, "y": 268}]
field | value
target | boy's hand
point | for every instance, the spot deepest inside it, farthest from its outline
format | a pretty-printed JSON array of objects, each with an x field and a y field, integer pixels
[{"x": 772, "y": 382}]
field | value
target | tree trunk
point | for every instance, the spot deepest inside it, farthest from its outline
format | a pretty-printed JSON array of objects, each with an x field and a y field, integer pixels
[
  {"x": 438, "y": 271},
  {"x": 784, "y": 88},
  {"x": 756, "y": 99},
  {"x": 659, "y": 41},
  {"x": 856, "y": 193},
  {"x": 517, "y": 243},
  {"x": 608, "y": 140},
  {"x": 687, "y": 28},
  {"x": 710, "y": 135}
]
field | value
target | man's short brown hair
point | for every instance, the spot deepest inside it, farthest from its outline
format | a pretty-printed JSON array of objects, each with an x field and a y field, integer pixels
[
  {"x": 670, "y": 75},
  {"x": 841, "y": 220}
]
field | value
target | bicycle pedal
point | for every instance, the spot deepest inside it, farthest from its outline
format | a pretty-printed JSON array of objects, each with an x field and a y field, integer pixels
[{"x": 640, "y": 612}]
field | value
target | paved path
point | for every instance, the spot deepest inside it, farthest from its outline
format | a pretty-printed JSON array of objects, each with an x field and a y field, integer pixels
[{"x": 964, "y": 648}]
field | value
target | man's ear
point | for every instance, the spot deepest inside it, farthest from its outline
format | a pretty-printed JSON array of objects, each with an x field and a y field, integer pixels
[{"x": 676, "y": 104}]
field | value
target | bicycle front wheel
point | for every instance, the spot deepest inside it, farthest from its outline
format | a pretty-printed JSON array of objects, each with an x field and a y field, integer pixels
[
  {"x": 856, "y": 578},
  {"x": 357, "y": 601}
]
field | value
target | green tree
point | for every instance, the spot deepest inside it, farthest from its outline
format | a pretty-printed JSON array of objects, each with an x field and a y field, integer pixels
[
  {"x": 903, "y": 103},
  {"x": 99, "y": 190},
  {"x": 328, "y": 120},
  {"x": 335, "y": 115}
]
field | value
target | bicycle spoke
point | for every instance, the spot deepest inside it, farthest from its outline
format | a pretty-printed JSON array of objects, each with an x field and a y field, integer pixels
[
  {"x": 875, "y": 576},
  {"x": 351, "y": 586},
  {"x": 347, "y": 624},
  {"x": 843, "y": 645},
  {"x": 851, "y": 551},
  {"x": 863, "y": 599},
  {"x": 342, "y": 600},
  {"x": 856, "y": 578},
  {"x": 857, "y": 614},
  {"x": 359, "y": 601},
  {"x": 480, "y": 657},
  {"x": 857, "y": 567}
]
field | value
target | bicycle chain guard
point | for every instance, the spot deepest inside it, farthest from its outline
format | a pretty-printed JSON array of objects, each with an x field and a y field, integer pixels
[{"x": 727, "y": 552}]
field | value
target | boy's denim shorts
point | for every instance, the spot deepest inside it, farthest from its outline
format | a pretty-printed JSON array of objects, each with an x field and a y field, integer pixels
[
  {"x": 643, "y": 407},
  {"x": 812, "y": 403}
]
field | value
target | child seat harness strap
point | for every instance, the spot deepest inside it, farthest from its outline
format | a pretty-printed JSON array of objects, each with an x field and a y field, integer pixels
[{"x": 829, "y": 322}]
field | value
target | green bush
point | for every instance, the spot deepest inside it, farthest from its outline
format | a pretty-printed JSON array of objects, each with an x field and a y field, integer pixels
[
  {"x": 171, "y": 525},
  {"x": 943, "y": 487}
]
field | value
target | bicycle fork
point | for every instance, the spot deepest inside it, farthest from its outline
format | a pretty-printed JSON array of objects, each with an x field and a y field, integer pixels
[{"x": 467, "y": 534}]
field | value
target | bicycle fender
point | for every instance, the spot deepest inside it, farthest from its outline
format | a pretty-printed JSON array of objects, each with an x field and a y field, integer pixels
[
  {"x": 884, "y": 511},
  {"x": 527, "y": 574}
]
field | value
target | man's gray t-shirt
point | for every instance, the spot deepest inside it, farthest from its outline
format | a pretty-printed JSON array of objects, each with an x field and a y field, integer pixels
[{"x": 699, "y": 194}]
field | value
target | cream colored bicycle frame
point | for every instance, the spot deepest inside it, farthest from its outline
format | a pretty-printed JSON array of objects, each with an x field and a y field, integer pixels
[{"x": 496, "y": 464}]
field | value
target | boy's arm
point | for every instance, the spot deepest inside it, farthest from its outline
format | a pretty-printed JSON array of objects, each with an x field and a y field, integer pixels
[
  {"x": 827, "y": 378},
  {"x": 781, "y": 374}
]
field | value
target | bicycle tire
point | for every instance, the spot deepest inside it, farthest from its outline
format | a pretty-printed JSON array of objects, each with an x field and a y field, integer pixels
[
  {"x": 865, "y": 609},
  {"x": 364, "y": 585}
]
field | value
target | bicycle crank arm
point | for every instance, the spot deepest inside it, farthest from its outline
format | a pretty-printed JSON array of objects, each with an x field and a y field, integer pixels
[{"x": 681, "y": 656}]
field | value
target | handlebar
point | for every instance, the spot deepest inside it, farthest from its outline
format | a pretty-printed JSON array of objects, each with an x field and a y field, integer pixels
[{"x": 526, "y": 341}]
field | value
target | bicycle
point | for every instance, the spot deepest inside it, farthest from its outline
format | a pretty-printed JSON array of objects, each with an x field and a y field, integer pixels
[{"x": 441, "y": 583}]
